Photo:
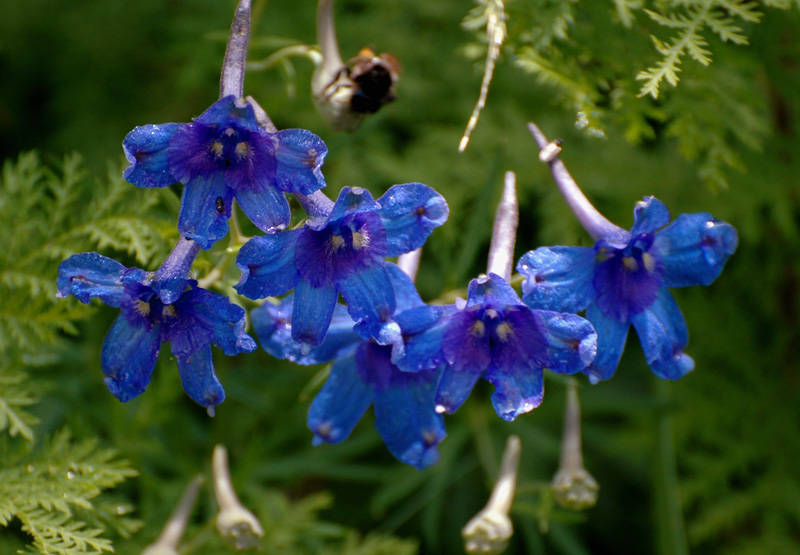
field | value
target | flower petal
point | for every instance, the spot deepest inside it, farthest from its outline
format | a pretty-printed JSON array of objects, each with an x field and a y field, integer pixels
[
  {"x": 611, "y": 337},
  {"x": 571, "y": 340},
  {"x": 558, "y": 278},
  {"x": 198, "y": 378},
  {"x": 340, "y": 404},
  {"x": 404, "y": 409},
  {"x": 267, "y": 265},
  {"x": 205, "y": 209},
  {"x": 300, "y": 155},
  {"x": 249, "y": 162},
  {"x": 405, "y": 292},
  {"x": 193, "y": 153},
  {"x": 663, "y": 334},
  {"x": 267, "y": 208},
  {"x": 453, "y": 389},
  {"x": 313, "y": 310},
  {"x": 370, "y": 299},
  {"x": 410, "y": 212},
  {"x": 694, "y": 249},
  {"x": 273, "y": 325},
  {"x": 423, "y": 331},
  {"x": 466, "y": 342},
  {"x": 203, "y": 318},
  {"x": 518, "y": 388},
  {"x": 648, "y": 215},
  {"x": 352, "y": 200},
  {"x": 90, "y": 275},
  {"x": 146, "y": 149},
  {"x": 226, "y": 111},
  {"x": 128, "y": 357},
  {"x": 492, "y": 290}
]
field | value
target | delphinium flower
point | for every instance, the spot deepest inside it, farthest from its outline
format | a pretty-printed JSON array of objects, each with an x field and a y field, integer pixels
[
  {"x": 342, "y": 251},
  {"x": 362, "y": 374},
  {"x": 158, "y": 307},
  {"x": 227, "y": 153},
  {"x": 494, "y": 335},
  {"x": 625, "y": 277},
  {"x": 223, "y": 155}
]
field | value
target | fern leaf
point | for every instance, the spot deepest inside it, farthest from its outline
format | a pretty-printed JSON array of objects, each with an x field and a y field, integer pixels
[
  {"x": 14, "y": 396},
  {"x": 48, "y": 490}
]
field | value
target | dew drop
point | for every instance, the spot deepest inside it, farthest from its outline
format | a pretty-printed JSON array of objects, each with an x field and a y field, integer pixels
[{"x": 70, "y": 475}]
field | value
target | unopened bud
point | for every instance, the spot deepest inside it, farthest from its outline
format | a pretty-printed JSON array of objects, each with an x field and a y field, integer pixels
[
  {"x": 573, "y": 486},
  {"x": 167, "y": 542},
  {"x": 490, "y": 529},
  {"x": 234, "y": 522},
  {"x": 345, "y": 93}
]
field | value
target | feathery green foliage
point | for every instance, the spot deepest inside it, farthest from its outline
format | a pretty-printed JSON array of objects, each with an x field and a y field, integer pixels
[
  {"x": 51, "y": 212},
  {"x": 50, "y": 492}
]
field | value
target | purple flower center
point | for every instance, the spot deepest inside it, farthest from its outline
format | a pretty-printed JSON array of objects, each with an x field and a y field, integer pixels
[
  {"x": 627, "y": 280},
  {"x": 345, "y": 247}
]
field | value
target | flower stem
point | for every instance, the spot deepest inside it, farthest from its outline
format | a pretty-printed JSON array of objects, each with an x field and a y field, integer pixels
[
  {"x": 331, "y": 64},
  {"x": 590, "y": 218},
  {"x": 231, "y": 80},
  {"x": 179, "y": 260},
  {"x": 504, "y": 234},
  {"x": 670, "y": 525}
]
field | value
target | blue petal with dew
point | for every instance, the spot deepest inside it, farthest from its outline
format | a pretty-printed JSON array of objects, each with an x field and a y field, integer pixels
[
  {"x": 300, "y": 155},
  {"x": 663, "y": 334},
  {"x": 409, "y": 213},
  {"x": 313, "y": 310},
  {"x": 91, "y": 275},
  {"x": 649, "y": 214},
  {"x": 200, "y": 218},
  {"x": 146, "y": 149},
  {"x": 694, "y": 249},
  {"x": 128, "y": 357},
  {"x": 198, "y": 378},
  {"x": 267, "y": 265},
  {"x": 340, "y": 404},
  {"x": 611, "y": 337},
  {"x": 558, "y": 278}
]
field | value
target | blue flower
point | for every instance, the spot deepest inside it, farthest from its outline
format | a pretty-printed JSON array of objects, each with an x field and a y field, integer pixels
[
  {"x": 152, "y": 312},
  {"x": 495, "y": 336},
  {"x": 342, "y": 253},
  {"x": 224, "y": 155},
  {"x": 362, "y": 375},
  {"x": 625, "y": 279}
]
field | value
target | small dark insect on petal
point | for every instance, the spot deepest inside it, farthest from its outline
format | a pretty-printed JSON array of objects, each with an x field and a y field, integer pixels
[{"x": 220, "y": 205}]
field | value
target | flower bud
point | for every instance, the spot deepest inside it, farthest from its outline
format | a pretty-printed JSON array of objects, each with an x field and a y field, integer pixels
[
  {"x": 345, "y": 92},
  {"x": 490, "y": 529},
  {"x": 573, "y": 486},
  {"x": 167, "y": 542},
  {"x": 234, "y": 522}
]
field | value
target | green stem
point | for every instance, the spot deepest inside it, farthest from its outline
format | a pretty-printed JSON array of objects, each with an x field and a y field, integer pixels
[
  {"x": 302, "y": 50},
  {"x": 671, "y": 533}
]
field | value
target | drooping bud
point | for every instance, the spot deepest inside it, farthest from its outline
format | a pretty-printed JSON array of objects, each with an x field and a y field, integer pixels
[
  {"x": 234, "y": 522},
  {"x": 504, "y": 234},
  {"x": 345, "y": 92},
  {"x": 167, "y": 542},
  {"x": 573, "y": 486},
  {"x": 489, "y": 530}
]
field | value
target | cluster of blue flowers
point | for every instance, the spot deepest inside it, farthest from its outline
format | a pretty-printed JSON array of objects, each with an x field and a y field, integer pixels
[{"x": 411, "y": 361}]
